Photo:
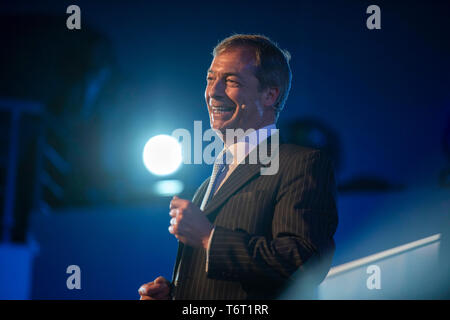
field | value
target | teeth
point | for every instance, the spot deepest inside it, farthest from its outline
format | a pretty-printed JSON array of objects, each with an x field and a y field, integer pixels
[{"x": 222, "y": 109}]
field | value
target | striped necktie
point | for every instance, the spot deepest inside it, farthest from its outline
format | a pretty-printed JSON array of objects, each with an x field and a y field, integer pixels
[{"x": 219, "y": 166}]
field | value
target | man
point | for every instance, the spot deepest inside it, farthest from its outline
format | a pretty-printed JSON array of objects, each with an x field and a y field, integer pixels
[{"x": 248, "y": 235}]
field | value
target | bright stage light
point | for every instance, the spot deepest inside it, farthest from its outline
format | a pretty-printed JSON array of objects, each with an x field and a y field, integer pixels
[{"x": 162, "y": 155}]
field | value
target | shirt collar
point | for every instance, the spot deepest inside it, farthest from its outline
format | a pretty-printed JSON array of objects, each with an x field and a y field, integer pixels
[{"x": 248, "y": 142}]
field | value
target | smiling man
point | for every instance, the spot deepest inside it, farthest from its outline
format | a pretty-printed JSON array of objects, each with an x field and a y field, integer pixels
[
  {"x": 234, "y": 96},
  {"x": 248, "y": 235}
]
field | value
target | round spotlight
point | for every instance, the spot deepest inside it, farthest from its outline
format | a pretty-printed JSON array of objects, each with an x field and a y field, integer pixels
[{"x": 162, "y": 155}]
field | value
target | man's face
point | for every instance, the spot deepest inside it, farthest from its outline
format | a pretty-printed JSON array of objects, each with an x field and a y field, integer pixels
[{"x": 232, "y": 93}]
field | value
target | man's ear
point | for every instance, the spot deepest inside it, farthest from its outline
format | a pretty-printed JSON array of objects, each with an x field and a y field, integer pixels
[{"x": 270, "y": 96}]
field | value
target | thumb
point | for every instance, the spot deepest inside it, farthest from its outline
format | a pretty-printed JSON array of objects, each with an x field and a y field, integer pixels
[{"x": 160, "y": 279}]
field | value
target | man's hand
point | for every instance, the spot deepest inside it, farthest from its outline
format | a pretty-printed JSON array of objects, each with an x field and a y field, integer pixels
[
  {"x": 189, "y": 224},
  {"x": 155, "y": 290}
]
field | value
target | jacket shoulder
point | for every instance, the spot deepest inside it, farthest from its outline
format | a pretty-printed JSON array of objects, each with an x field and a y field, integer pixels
[
  {"x": 292, "y": 155},
  {"x": 293, "y": 151}
]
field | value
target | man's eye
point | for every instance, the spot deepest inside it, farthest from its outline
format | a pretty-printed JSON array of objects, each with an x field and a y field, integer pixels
[{"x": 233, "y": 82}]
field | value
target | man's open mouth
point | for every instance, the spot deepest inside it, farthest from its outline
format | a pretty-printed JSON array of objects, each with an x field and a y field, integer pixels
[{"x": 222, "y": 109}]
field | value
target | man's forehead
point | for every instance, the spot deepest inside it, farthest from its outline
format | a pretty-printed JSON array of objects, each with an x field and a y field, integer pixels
[{"x": 233, "y": 60}]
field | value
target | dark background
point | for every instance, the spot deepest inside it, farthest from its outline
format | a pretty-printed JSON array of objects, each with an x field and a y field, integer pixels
[{"x": 378, "y": 100}]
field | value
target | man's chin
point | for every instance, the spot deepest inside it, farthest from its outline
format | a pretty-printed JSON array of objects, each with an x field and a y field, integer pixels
[{"x": 220, "y": 125}]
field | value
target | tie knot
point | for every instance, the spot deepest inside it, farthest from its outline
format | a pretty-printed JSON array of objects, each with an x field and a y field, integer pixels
[{"x": 224, "y": 157}]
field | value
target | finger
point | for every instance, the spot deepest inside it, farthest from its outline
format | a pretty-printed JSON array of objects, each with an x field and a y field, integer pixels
[
  {"x": 173, "y": 221},
  {"x": 151, "y": 288},
  {"x": 178, "y": 228},
  {"x": 173, "y": 212},
  {"x": 181, "y": 230},
  {"x": 178, "y": 203},
  {"x": 159, "y": 296},
  {"x": 143, "y": 289},
  {"x": 174, "y": 229},
  {"x": 161, "y": 279},
  {"x": 180, "y": 215},
  {"x": 156, "y": 289},
  {"x": 174, "y": 203}
]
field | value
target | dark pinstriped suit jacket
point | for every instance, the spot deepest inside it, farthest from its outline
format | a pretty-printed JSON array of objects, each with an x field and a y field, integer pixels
[{"x": 269, "y": 231}]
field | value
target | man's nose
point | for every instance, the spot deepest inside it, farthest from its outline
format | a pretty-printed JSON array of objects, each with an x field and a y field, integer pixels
[{"x": 216, "y": 89}]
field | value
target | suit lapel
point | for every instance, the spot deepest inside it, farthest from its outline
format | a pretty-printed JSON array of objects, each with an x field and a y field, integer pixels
[
  {"x": 198, "y": 196},
  {"x": 240, "y": 175},
  {"x": 243, "y": 173}
]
